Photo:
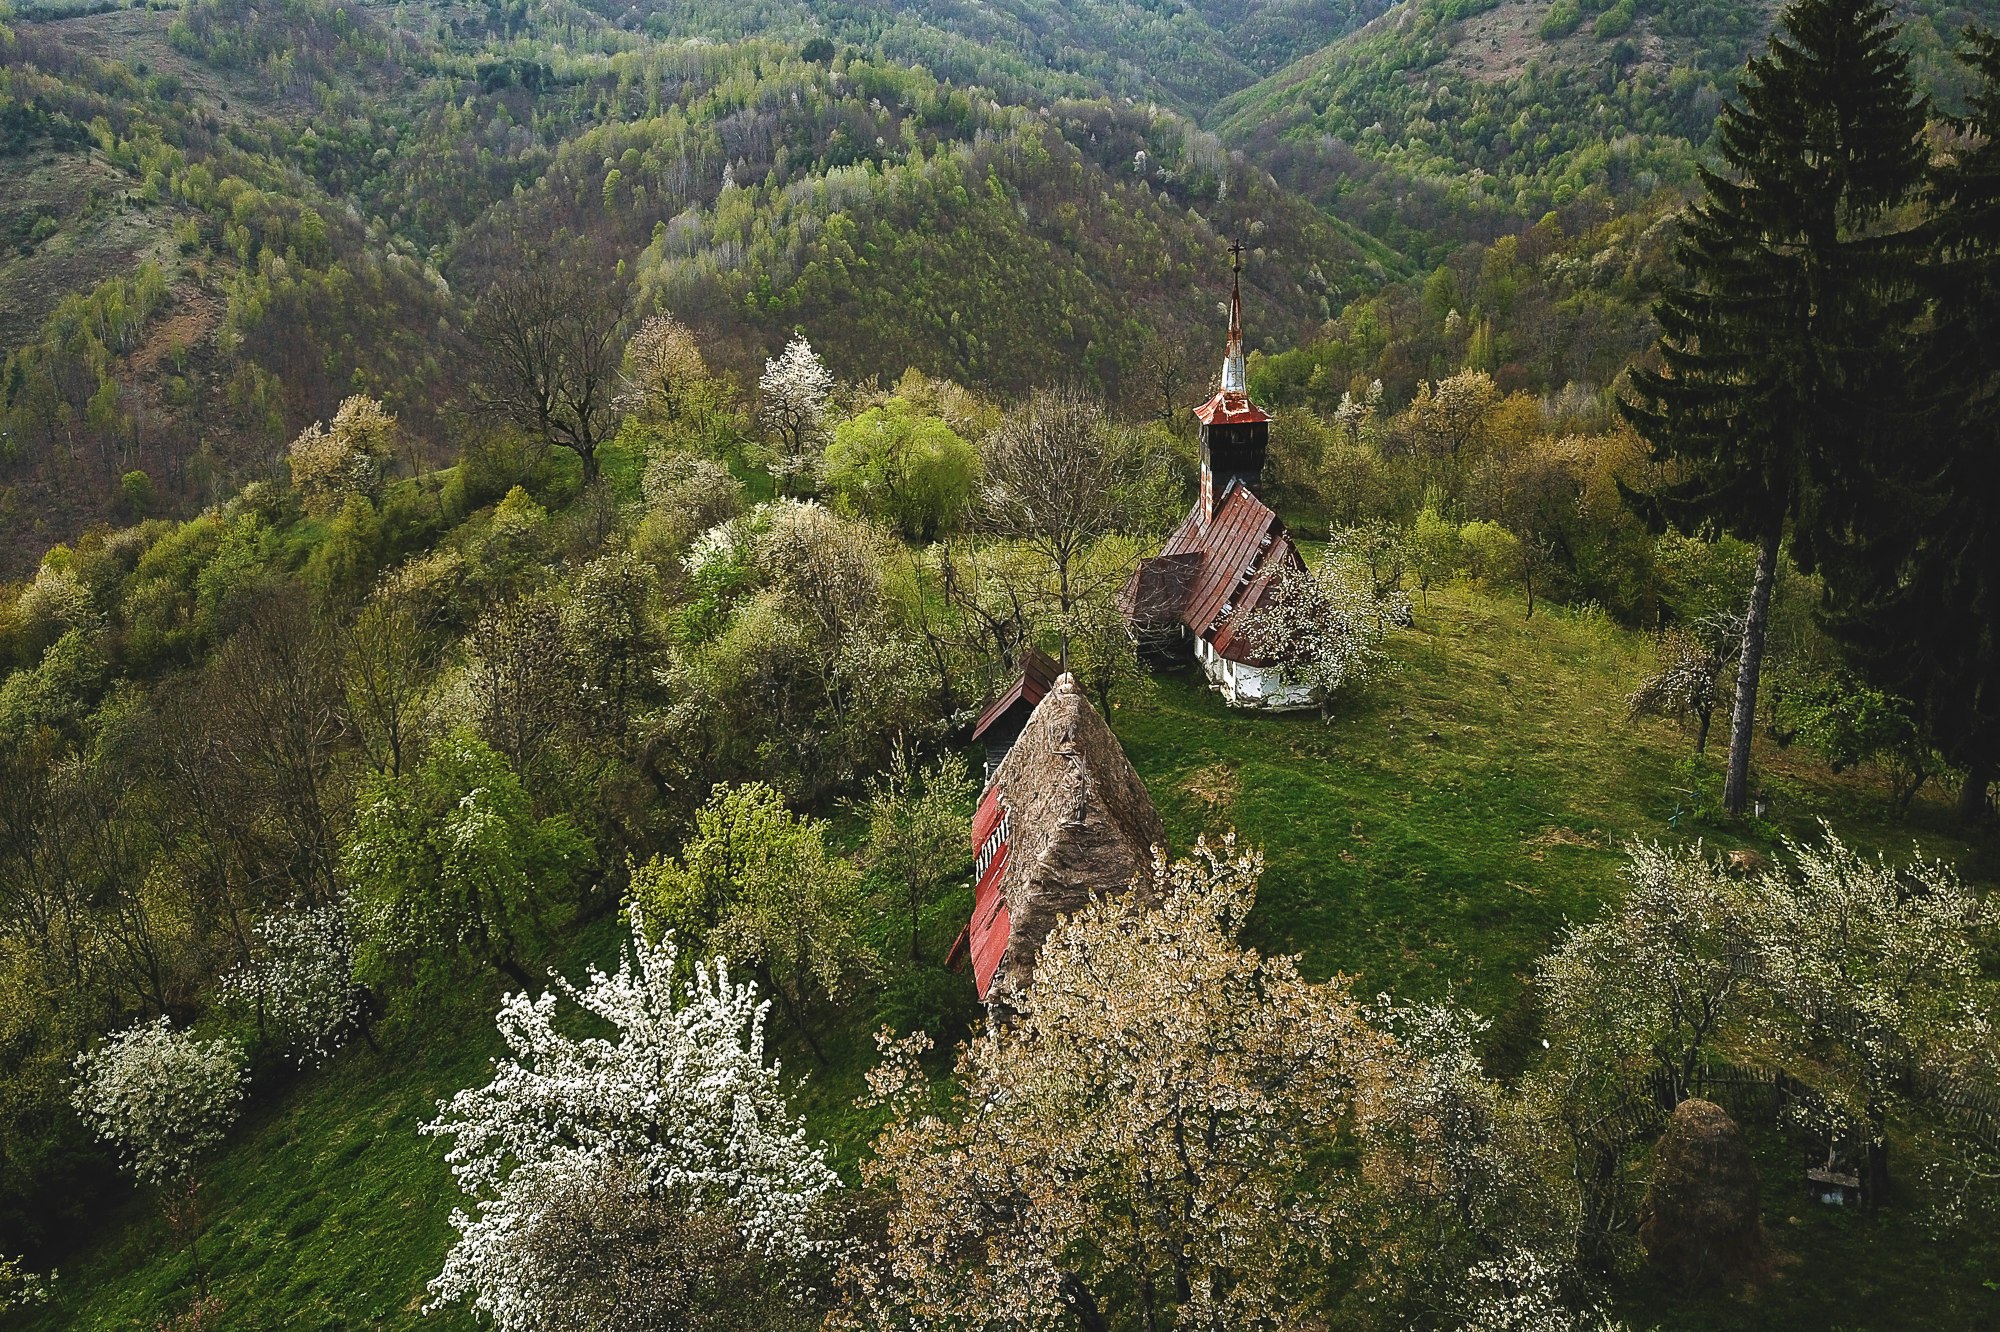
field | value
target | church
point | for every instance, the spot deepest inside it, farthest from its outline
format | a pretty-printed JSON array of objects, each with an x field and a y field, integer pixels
[{"x": 1225, "y": 556}]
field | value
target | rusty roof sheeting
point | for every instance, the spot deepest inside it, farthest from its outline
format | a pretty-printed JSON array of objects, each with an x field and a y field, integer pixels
[
  {"x": 1038, "y": 676},
  {"x": 1243, "y": 533},
  {"x": 1230, "y": 407}
]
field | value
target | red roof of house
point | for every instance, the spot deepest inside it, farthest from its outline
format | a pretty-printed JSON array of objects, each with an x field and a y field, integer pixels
[
  {"x": 1241, "y": 548},
  {"x": 1038, "y": 676},
  {"x": 986, "y": 937},
  {"x": 1230, "y": 408}
]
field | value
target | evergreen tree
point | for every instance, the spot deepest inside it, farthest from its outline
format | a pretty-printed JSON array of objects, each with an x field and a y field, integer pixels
[
  {"x": 1914, "y": 586},
  {"x": 1771, "y": 353}
]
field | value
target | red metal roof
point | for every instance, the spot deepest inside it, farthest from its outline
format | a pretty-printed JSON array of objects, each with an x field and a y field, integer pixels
[
  {"x": 1226, "y": 640},
  {"x": 1230, "y": 408},
  {"x": 986, "y": 937},
  {"x": 1038, "y": 676},
  {"x": 1240, "y": 547}
]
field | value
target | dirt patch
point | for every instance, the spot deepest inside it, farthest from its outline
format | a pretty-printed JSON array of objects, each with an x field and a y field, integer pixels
[
  {"x": 1215, "y": 786},
  {"x": 1498, "y": 45},
  {"x": 194, "y": 316},
  {"x": 1553, "y": 835}
]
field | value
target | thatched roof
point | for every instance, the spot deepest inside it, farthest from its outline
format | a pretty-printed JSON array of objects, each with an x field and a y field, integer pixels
[{"x": 1080, "y": 821}]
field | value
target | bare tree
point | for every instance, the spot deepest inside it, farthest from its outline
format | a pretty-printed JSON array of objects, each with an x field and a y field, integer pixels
[
  {"x": 547, "y": 332},
  {"x": 1053, "y": 483}
]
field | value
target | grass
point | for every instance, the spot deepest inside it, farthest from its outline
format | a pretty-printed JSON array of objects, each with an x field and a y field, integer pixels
[{"x": 1433, "y": 838}]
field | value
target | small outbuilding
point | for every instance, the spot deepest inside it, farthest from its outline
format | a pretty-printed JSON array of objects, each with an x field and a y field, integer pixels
[
  {"x": 1065, "y": 816},
  {"x": 1000, "y": 724}
]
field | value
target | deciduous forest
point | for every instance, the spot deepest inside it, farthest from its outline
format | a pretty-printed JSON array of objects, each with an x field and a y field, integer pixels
[{"x": 529, "y": 528}]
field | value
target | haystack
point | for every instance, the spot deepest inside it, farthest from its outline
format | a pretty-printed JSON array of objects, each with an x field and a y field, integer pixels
[
  {"x": 1700, "y": 1222},
  {"x": 1081, "y": 822}
]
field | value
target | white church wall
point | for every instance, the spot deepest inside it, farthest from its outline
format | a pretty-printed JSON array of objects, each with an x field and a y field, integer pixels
[{"x": 1245, "y": 686}]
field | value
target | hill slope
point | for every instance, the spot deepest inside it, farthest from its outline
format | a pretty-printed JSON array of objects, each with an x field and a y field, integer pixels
[
  {"x": 1446, "y": 118},
  {"x": 297, "y": 188},
  {"x": 1434, "y": 840}
]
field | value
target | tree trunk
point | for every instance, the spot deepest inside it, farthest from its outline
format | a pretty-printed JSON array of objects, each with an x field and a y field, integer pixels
[
  {"x": 1972, "y": 795},
  {"x": 1083, "y": 1304},
  {"x": 1701, "y": 736},
  {"x": 515, "y": 972},
  {"x": 1743, "y": 717},
  {"x": 791, "y": 1008},
  {"x": 1875, "y": 1176}
]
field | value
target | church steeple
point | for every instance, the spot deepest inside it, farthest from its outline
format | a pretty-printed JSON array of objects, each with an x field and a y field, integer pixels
[
  {"x": 1235, "y": 432},
  {"x": 1232, "y": 355}
]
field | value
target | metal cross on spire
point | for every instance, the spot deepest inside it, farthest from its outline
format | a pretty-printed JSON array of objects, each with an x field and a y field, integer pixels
[{"x": 1232, "y": 356}]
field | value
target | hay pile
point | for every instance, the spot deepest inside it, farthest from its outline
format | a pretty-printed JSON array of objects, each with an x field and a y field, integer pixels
[
  {"x": 1700, "y": 1221},
  {"x": 1080, "y": 821}
]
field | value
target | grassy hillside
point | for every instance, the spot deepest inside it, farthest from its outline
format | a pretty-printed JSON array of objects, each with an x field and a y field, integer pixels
[{"x": 1433, "y": 838}]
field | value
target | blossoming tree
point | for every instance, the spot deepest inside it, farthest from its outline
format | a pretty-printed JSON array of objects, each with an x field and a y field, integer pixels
[
  {"x": 674, "y": 1123},
  {"x": 163, "y": 1100},
  {"x": 1150, "y": 1144}
]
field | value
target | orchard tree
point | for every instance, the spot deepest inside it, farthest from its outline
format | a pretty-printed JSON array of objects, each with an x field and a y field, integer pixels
[
  {"x": 1450, "y": 1175},
  {"x": 1635, "y": 1003},
  {"x": 1436, "y": 554},
  {"x": 348, "y": 457},
  {"x": 1686, "y": 684},
  {"x": 525, "y": 680},
  {"x": 1766, "y": 405},
  {"x": 916, "y": 829},
  {"x": 759, "y": 885},
  {"x": 904, "y": 468},
  {"x": 449, "y": 859},
  {"x": 1872, "y": 980},
  {"x": 1448, "y": 418},
  {"x": 393, "y": 648},
  {"x": 1646, "y": 992},
  {"x": 20, "y": 1288},
  {"x": 1324, "y": 628},
  {"x": 651, "y": 1177},
  {"x": 1097, "y": 639},
  {"x": 795, "y": 395},
  {"x": 1054, "y": 484},
  {"x": 664, "y": 369},
  {"x": 298, "y": 985},
  {"x": 1151, "y": 1143},
  {"x": 163, "y": 1100}
]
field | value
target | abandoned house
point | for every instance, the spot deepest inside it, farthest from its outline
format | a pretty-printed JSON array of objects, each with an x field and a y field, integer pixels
[
  {"x": 1063, "y": 816},
  {"x": 1222, "y": 560}
]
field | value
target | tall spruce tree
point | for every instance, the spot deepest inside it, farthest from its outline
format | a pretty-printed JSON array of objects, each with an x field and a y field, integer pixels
[
  {"x": 1771, "y": 353},
  {"x": 1913, "y": 582}
]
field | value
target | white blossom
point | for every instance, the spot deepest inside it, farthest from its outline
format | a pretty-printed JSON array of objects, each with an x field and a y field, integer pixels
[
  {"x": 20, "y": 1288},
  {"x": 300, "y": 984},
  {"x": 160, "y": 1097},
  {"x": 795, "y": 389},
  {"x": 1522, "y": 1291},
  {"x": 1324, "y": 628},
  {"x": 678, "y": 1098}
]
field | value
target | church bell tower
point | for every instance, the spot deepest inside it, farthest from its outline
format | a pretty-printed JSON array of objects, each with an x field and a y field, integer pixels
[{"x": 1235, "y": 432}]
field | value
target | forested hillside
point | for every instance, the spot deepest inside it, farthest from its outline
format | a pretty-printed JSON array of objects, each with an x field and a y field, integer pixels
[
  {"x": 1444, "y": 119},
  {"x": 512, "y": 513},
  {"x": 226, "y": 219}
]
